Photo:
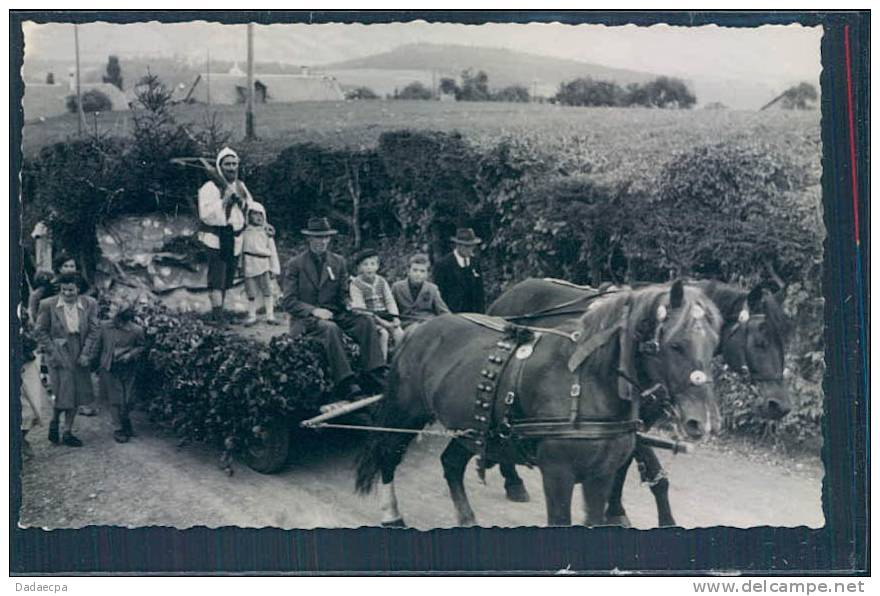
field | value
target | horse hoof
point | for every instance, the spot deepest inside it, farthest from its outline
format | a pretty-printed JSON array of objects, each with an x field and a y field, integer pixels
[
  {"x": 517, "y": 493},
  {"x": 395, "y": 523},
  {"x": 619, "y": 520}
]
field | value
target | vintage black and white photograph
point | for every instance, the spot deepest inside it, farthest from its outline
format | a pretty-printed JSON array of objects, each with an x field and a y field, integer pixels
[{"x": 418, "y": 274}]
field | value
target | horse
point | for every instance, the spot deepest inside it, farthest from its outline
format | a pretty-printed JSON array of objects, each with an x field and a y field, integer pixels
[
  {"x": 752, "y": 343},
  {"x": 571, "y": 394}
]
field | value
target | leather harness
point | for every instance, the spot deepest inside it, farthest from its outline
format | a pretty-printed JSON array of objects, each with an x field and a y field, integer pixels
[{"x": 507, "y": 360}]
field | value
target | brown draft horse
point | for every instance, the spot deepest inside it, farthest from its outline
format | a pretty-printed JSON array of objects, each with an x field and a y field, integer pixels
[
  {"x": 752, "y": 343},
  {"x": 581, "y": 383}
]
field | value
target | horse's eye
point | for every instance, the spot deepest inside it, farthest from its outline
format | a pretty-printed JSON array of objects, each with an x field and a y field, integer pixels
[{"x": 677, "y": 347}]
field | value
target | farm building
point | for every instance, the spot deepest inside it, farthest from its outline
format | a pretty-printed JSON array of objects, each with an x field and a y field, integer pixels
[
  {"x": 231, "y": 88},
  {"x": 382, "y": 81},
  {"x": 44, "y": 101}
]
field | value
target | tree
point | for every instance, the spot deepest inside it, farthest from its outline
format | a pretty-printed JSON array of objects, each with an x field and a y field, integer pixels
[
  {"x": 415, "y": 90},
  {"x": 361, "y": 93},
  {"x": 512, "y": 93},
  {"x": 587, "y": 92},
  {"x": 114, "y": 72},
  {"x": 474, "y": 87},
  {"x": 93, "y": 101},
  {"x": 662, "y": 92},
  {"x": 156, "y": 184},
  {"x": 799, "y": 97},
  {"x": 448, "y": 86}
]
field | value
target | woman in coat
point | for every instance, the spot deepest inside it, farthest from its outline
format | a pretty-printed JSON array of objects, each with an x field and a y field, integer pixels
[{"x": 67, "y": 329}]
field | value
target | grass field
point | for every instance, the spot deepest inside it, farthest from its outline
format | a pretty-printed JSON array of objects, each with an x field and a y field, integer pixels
[{"x": 620, "y": 136}]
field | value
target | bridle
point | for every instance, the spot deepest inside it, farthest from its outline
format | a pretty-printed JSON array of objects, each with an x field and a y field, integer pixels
[{"x": 745, "y": 370}]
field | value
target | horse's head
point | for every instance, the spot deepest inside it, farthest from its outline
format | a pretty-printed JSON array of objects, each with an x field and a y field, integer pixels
[
  {"x": 673, "y": 335},
  {"x": 754, "y": 345}
]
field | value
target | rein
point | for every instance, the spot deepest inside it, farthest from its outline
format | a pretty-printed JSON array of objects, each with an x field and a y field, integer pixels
[{"x": 555, "y": 309}]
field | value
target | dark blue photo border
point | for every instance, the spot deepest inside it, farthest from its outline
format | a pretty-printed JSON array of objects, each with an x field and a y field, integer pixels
[{"x": 839, "y": 548}]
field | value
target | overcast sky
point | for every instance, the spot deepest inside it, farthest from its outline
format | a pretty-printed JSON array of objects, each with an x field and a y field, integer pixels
[{"x": 762, "y": 53}]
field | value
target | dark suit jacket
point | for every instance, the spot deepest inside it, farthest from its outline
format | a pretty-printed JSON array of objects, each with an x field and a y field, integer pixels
[
  {"x": 461, "y": 287},
  {"x": 427, "y": 304},
  {"x": 306, "y": 289}
]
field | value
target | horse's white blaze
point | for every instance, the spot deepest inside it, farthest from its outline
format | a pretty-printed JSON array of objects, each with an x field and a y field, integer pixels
[
  {"x": 698, "y": 378},
  {"x": 661, "y": 313},
  {"x": 698, "y": 312},
  {"x": 388, "y": 502},
  {"x": 743, "y": 316}
]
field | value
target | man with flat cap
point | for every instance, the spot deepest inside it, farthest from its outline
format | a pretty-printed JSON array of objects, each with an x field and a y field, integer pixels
[
  {"x": 316, "y": 294},
  {"x": 458, "y": 274}
]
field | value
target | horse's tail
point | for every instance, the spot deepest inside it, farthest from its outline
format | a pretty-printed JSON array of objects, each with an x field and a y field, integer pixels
[
  {"x": 369, "y": 462},
  {"x": 380, "y": 446},
  {"x": 368, "y": 467}
]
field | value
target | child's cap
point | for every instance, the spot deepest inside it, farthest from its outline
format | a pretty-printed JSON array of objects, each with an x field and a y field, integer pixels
[{"x": 362, "y": 255}]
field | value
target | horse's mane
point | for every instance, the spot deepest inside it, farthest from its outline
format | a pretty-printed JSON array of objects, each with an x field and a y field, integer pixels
[
  {"x": 776, "y": 316},
  {"x": 730, "y": 300},
  {"x": 643, "y": 303}
]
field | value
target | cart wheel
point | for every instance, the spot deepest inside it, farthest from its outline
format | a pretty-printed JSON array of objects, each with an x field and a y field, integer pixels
[{"x": 270, "y": 455}]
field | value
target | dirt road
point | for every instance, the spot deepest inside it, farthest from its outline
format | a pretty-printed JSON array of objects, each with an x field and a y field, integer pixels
[{"x": 150, "y": 481}]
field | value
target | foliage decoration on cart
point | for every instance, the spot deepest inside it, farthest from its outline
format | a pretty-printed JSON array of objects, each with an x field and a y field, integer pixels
[{"x": 229, "y": 391}]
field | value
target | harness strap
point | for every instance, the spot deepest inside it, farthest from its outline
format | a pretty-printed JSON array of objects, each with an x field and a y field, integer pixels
[
  {"x": 504, "y": 326},
  {"x": 556, "y": 308},
  {"x": 563, "y": 428},
  {"x": 586, "y": 349}
]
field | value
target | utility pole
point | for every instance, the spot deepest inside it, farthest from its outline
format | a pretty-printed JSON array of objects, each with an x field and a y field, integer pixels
[
  {"x": 249, "y": 117},
  {"x": 79, "y": 103},
  {"x": 208, "y": 78}
]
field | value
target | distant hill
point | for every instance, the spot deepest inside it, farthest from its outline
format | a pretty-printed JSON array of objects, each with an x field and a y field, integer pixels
[{"x": 504, "y": 67}]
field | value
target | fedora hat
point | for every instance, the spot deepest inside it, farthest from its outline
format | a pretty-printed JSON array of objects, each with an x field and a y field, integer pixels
[
  {"x": 466, "y": 236},
  {"x": 319, "y": 226}
]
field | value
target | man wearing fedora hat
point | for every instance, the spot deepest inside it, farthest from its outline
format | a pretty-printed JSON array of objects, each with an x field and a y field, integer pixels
[
  {"x": 315, "y": 284},
  {"x": 458, "y": 274}
]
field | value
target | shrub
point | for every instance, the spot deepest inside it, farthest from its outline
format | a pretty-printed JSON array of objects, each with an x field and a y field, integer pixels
[
  {"x": 415, "y": 90},
  {"x": 587, "y": 92},
  {"x": 93, "y": 101},
  {"x": 726, "y": 210},
  {"x": 72, "y": 187},
  {"x": 513, "y": 93},
  {"x": 361, "y": 93},
  {"x": 220, "y": 389},
  {"x": 662, "y": 92},
  {"x": 474, "y": 86}
]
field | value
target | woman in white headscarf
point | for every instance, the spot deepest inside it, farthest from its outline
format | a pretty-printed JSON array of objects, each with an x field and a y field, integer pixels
[{"x": 223, "y": 205}]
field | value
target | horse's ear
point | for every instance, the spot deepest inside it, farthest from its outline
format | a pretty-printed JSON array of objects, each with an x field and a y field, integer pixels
[
  {"x": 754, "y": 299},
  {"x": 676, "y": 294}
]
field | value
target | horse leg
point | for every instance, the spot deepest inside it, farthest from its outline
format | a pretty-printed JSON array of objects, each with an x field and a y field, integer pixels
[
  {"x": 513, "y": 484},
  {"x": 558, "y": 485},
  {"x": 652, "y": 473},
  {"x": 455, "y": 459},
  {"x": 391, "y": 457},
  {"x": 616, "y": 514},
  {"x": 596, "y": 498}
]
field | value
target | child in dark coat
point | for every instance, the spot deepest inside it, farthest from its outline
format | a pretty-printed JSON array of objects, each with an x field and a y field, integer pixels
[{"x": 120, "y": 346}]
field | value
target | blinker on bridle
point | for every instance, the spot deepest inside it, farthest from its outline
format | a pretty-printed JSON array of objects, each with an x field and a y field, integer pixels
[{"x": 744, "y": 317}]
